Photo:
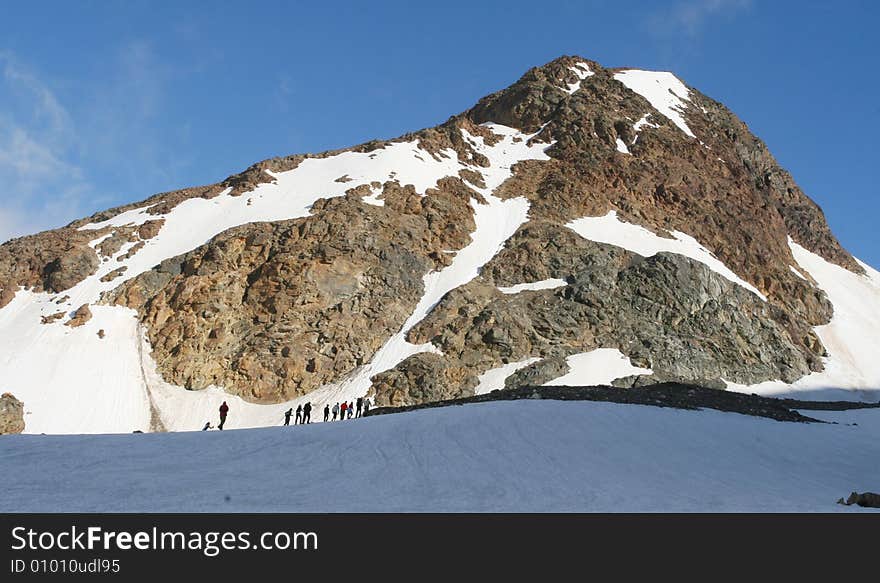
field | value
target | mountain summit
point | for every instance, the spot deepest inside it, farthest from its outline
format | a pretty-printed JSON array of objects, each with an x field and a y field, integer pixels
[{"x": 583, "y": 226}]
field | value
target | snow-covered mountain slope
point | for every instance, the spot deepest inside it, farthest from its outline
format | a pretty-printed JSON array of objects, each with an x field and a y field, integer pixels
[
  {"x": 569, "y": 228},
  {"x": 73, "y": 381},
  {"x": 515, "y": 456}
]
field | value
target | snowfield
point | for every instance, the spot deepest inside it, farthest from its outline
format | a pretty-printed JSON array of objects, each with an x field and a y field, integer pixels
[
  {"x": 552, "y": 283},
  {"x": 513, "y": 456},
  {"x": 597, "y": 367}
]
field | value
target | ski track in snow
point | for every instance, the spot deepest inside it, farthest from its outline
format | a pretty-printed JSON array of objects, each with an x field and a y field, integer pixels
[
  {"x": 71, "y": 381},
  {"x": 852, "y": 367},
  {"x": 611, "y": 230},
  {"x": 514, "y": 456}
]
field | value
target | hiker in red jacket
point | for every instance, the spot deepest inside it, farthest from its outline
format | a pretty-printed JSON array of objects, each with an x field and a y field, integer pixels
[
  {"x": 342, "y": 410},
  {"x": 224, "y": 409}
]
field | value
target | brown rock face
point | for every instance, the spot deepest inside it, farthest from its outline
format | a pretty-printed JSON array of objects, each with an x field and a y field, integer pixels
[
  {"x": 52, "y": 317},
  {"x": 114, "y": 274},
  {"x": 52, "y": 261},
  {"x": 82, "y": 315},
  {"x": 11, "y": 414},
  {"x": 730, "y": 194},
  {"x": 150, "y": 229},
  {"x": 271, "y": 311}
]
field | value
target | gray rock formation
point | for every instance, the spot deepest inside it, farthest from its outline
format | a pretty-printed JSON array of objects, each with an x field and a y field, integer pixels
[{"x": 864, "y": 499}]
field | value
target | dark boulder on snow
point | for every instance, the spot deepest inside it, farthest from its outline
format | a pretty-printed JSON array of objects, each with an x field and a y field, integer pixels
[{"x": 865, "y": 499}]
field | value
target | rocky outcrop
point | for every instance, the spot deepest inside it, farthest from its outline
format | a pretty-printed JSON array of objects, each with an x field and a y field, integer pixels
[
  {"x": 53, "y": 261},
  {"x": 150, "y": 229},
  {"x": 724, "y": 188},
  {"x": 675, "y": 395},
  {"x": 114, "y": 274},
  {"x": 82, "y": 315},
  {"x": 52, "y": 317},
  {"x": 272, "y": 311},
  {"x": 422, "y": 378},
  {"x": 11, "y": 414},
  {"x": 864, "y": 499},
  {"x": 667, "y": 313}
]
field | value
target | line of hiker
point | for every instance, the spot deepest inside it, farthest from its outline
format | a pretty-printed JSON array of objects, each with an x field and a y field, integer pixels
[
  {"x": 303, "y": 415},
  {"x": 347, "y": 410}
]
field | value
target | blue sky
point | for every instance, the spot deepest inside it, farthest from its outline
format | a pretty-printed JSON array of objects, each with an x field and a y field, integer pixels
[{"x": 103, "y": 103}]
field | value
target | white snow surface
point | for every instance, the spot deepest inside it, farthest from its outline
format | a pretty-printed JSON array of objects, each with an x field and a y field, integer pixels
[
  {"x": 663, "y": 90},
  {"x": 637, "y": 127},
  {"x": 552, "y": 283},
  {"x": 494, "y": 378},
  {"x": 643, "y": 122},
  {"x": 582, "y": 71},
  {"x": 71, "y": 381},
  {"x": 597, "y": 367},
  {"x": 373, "y": 197},
  {"x": 621, "y": 147},
  {"x": 852, "y": 338},
  {"x": 611, "y": 230},
  {"x": 514, "y": 456}
]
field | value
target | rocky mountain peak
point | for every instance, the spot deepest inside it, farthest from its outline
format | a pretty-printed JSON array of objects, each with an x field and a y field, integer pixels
[{"x": 581, "y": 209}]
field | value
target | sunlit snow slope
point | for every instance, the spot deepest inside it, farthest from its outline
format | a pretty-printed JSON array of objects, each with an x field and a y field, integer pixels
[{"x": 852, "y": 338}]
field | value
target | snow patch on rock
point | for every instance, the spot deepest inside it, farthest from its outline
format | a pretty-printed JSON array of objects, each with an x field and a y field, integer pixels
[
  {"x": 851, "y": 338},
  {"x": 582, "y": 70},
  {"x": 534, "y": 286},
  {"x": 494, "y": 378},
  {"x": 663, "y": 90},
  {"x": 797, "y": 273},
  {"x": 597, "y": 367},
  {"x": 611, "y": 230}
]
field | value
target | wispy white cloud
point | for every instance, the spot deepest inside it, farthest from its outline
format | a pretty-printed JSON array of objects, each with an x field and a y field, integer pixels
[
  {"x": 46, "y": 105},
  {"x": 126, "y": 135},
  {"x": 689, "y": 17},
  {"x": 42, "y": 186},
  {"x": 62, "y": 159}
]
